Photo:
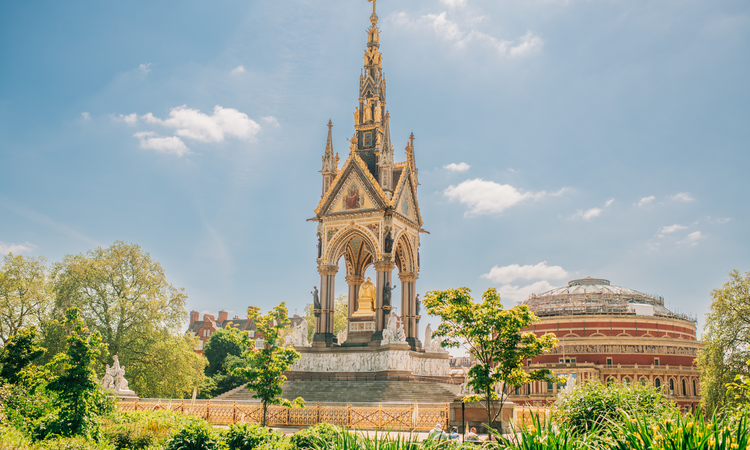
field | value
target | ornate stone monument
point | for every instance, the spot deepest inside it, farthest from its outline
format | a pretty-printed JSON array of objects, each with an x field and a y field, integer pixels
[{"x": 369, "y": 215}]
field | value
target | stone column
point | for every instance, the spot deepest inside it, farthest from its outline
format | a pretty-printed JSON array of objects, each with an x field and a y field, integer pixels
[
  {"x": 409, "y": 308},
  {"x": 354, "y": 282},
  {"x": 324, "y": 336},
  {"x": 383, "y": 271}
]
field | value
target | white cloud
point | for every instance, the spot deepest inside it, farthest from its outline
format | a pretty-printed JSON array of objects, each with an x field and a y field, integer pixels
[
  {"x": 271, "y": 120},
  {"x": 193, "y": 124},
  {"x": 443, "y": 27},
  {"x": 488, "y": 197},
  {"x": 145, "y": 68},
  {"x": 164, "y": 144},
  {"x": 528, "y": 44},
  {"x": 86, "y": 116},
  {"x": 16, "y": 249},
  {"x": 671, "y": 229},
  {"x": 561, "y": 192},
  {"x": 521, "y": 293},
  {"x": 646, "y": 200},
  {"x": 508, "y": 274},
  {"x": 449, "y": 30},
  {"x": 682, "y": 197},
  {"x": 238, "y": 70},
  {"x": 454, "y": 3},
  {"x": 692, "y": 238},
  {"x": 460, "y": 167},
  {"x": 609, "y": 202},
  {"x": 130, "y": 119},
  {"x": 587, "y": 215}
]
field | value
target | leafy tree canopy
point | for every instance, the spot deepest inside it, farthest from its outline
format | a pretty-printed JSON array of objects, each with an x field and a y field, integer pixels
[
  {"x": 727, "y": 338},
  {"x": 78, "y": 391},
  {"x": 25, "y": 294},
  {"x": 124, "y": 295},
  {"x": 264, "y": 368},
  {"x": 223, "y": 343},
  {"x": 17, "y": 358},
  {"x": 494, "y": 338}
]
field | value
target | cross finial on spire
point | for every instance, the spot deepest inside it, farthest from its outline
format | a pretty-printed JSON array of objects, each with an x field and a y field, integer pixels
[
  {"x": 411, "y": 139},
  {"x": 330, "y": 124},
  {"x": 373, "y": 5}
]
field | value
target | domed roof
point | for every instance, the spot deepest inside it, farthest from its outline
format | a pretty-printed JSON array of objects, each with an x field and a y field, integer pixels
[{"x": 597, "y": 296}]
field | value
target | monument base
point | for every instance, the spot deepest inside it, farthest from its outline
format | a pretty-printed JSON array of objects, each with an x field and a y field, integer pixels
[
  {"x": 324, "y": 340},
  {"x": 360, "y": 331},
  {"x": 394, "y": 361}
]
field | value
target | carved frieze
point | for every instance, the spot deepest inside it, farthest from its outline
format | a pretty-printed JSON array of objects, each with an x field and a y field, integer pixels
[{"x": 624, "y": 348}]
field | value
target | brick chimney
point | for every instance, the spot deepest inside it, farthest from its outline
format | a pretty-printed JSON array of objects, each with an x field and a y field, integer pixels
[
  {"x": 194, "y": 316},
  {"x": 223, "y": 316}
]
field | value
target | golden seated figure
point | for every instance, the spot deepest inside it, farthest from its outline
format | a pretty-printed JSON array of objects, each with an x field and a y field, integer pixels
[{"x": 366, "y": 300}]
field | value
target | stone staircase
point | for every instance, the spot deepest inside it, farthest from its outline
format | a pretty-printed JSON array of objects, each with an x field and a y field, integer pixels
[{"x": 358, "y": 391}]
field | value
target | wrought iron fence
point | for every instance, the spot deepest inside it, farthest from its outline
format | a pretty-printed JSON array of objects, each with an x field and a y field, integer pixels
[{"x": 366, "y": 416}]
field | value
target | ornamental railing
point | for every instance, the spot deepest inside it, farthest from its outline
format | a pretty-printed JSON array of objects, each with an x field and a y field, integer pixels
[{"x": 365, "y": 416}]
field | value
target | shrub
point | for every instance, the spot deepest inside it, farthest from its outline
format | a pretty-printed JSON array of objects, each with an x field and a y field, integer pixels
[
  {"x": 322, "y": 432},
  {"x": 592, "y": 405},
  {"x": 245, "y": 436},
  {"x": 196, "y": 435},
  {"x": 71, "y": 443},
  {"x": 12, "y": 439},
  {"x": 691, "y": 431},
  {"x": 139, "y": 430}
]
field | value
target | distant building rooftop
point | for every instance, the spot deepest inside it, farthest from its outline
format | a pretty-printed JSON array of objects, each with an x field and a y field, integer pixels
[{"x": 597, "y": 296}]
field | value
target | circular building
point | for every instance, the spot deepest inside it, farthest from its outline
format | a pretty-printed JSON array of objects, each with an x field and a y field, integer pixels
[{"x": 613, "y": 334}]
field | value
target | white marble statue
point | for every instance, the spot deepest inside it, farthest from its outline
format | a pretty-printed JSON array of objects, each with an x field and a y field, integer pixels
[
  {"x": 342, "y": 335},
  {"x": 392, "y": 332},
  {"x": 114, "y": 378},
  {"x": 299, "y": 335},
  {"x": 427, "y": 343}
]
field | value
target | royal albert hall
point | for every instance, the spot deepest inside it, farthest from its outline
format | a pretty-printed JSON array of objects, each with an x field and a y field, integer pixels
[{"x": 613, "y": 334}]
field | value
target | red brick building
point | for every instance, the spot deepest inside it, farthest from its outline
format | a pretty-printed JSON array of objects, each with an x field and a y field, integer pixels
[
  {"x": 612, "y": 333},
  {"x": 208, "y": 326}
]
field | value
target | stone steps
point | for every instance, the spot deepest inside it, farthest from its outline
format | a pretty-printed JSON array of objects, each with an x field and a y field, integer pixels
[{"x": 358, "y": 391}]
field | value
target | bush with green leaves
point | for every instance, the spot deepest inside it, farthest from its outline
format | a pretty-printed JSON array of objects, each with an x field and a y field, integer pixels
[
  {"x": 322, "y": 432},
  {"x": 592, "y": 405},
  {"x": 197, "y": 435},
  {"x": 244, "y": 436},
  {"x": 141, "y": 429}
]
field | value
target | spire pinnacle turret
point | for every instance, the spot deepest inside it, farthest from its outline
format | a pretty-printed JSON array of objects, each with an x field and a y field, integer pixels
[{"x": 330, "y": 165}]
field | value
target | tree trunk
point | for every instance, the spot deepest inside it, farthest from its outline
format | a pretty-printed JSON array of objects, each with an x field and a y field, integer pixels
[{"x": 265, "y": 408}]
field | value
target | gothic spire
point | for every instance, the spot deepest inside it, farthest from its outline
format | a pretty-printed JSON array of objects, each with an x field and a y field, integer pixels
[{"x": 330, "y": 163}]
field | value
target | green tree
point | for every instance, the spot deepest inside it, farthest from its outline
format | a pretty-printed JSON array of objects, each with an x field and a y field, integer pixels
[
  {"x": 25, "y": 294},
  {"x": 340, "y": 316},
  {"x": 18, "y": 356},
  {"x": 124, "y": 294},
  {"x": 78, "y": 392},
  {"x": 726, "y": 338},
  {"x": 494, "y": 338},
  {"x": 173, "y": 367},
  {"x": 223, "y": 347},
  {"x": 264, "y": 368}
]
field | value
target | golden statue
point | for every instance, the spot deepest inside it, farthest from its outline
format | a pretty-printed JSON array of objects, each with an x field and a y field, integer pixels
[
  {"x": 356, "y": 116},
  {"x": 378, "y": 112},
  {"x": 367, "y": 293}
]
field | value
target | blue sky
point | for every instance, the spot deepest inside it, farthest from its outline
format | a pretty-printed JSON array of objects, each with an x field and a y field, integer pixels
[{"x": 570, "y": 138}]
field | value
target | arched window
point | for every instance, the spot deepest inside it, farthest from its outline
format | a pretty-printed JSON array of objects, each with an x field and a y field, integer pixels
[
  {"x": 671, "y": 386},
  {"x": 684, "y": 388},
  {"x": 644, "y": 381},
  {"x": 695, "y": 388},
  {"x": 657, "y": 383},
  {"x": 626, "y": 380},
  {"x": 611, "y": 381}
]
